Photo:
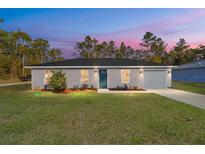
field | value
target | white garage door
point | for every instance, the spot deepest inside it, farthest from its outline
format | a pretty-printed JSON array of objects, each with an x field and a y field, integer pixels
[{"x": 154, "y": 79}]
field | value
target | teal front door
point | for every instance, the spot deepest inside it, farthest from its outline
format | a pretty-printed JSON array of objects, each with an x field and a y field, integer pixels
[{"x": 103, "y": 78}]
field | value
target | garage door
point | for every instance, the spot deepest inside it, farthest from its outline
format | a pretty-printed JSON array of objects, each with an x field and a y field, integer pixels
[{"x": 154, "y": 79}]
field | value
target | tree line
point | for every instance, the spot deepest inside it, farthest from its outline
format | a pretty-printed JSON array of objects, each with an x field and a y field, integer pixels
[
  {"x": 17, "y": 49},
  {"x": 152, "y": 49}
]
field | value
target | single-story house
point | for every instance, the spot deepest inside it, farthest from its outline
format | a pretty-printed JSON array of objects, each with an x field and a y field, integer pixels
[
  {"x": 104, "y": 73},
  {"x": 193, "y": 72}
]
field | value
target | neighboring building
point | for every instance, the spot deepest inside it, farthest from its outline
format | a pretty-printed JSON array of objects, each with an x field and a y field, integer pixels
[
  {"x": 193, "y": 72},
  {"x": 104, "y": 73}
]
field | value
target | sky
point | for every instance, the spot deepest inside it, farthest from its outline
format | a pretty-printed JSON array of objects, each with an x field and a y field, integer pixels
[{"x": 64, "y": 27}]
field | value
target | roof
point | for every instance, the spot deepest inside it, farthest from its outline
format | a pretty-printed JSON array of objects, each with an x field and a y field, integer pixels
[
  {"x": 97, "y": 62},
  {"x": 195, "y": 64}
]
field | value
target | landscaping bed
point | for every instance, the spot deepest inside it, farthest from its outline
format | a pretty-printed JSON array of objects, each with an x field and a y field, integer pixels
[
  {"x": 116, "y": 89},
  {"x": 66, "y": 91},
  {"x": 79, "y": 90},
  {"x": 125, "y": 87}
]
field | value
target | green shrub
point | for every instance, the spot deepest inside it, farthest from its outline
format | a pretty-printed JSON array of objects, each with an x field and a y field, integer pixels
[{"x": 57, "y": 81}]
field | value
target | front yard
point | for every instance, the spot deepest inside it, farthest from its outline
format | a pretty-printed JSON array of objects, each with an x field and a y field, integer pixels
[
  {"x": 90, "y": 118},
  {"x": 190, "y": 86}
]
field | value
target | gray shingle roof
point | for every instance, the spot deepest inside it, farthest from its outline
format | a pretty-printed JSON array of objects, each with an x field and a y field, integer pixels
[
  {"x": 196, "y": 64},
  {"x": 99, "y": 62}
]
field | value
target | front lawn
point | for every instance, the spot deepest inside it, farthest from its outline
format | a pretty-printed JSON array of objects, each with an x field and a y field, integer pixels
[
  {"x": 189, "y": 86},
  {"x": 90, "y": 118}
]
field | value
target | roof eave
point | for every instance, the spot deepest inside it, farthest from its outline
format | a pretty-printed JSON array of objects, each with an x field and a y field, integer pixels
[{"x": 77, "y": 67}]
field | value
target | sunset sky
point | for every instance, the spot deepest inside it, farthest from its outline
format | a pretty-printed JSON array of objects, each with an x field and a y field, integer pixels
[{"x": 64, "y": 27}]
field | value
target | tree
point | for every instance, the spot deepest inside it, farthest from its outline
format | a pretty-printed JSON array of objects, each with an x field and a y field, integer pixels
[
  {"x": 121, "y": 52},
  {"x": 102, "y": 49},
  {"x": 179, "y": 53},
  {"x": 148, "y": 39},
  {"x": 55, "y": 54},
  {"x": 181, "y": 45},
  {"x": 18, "y": 47},
  {"x": 158, "y": 46},
  {"x": 91, "y": 48},
  {"x": 155, "y": 48},
  {"x": 15, "y": 46},
  {"x": 5, "y": 64},
  {"x": 129, "y": 52},
  {"x": 111, "y": 49},
  {"x": 86, "y": 48},
  {"x": 40, "y": 48},
  {"x": 23, "y": 43},
  {"x": 3, "y": 40},
  {"x": 57, "y": 81},
  {"x": 199, "y": 52},
  {"x": 9, "y": 45}
]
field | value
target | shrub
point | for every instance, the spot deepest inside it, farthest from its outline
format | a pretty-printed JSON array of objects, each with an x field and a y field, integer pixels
[
  {"x": 84, "y": 86},
  {"x": 92, "y": 86},
  {"x": 57, "y": 81},
  {"x": 125, "y": 87},
  {"x": 75, "y": 87}
]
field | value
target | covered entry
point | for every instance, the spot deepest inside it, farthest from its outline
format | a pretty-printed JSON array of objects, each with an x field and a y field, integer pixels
[{"x": 154, "y": 79}]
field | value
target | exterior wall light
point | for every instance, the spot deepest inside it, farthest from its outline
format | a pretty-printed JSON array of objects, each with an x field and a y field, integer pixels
[
  {"x": 169, "y": 71},
  {"x": 141, "y": 72}
]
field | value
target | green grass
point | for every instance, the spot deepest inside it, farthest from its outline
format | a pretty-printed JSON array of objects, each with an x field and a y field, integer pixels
[
  {"x": 189, "y": 86},
  {"x": 90, "y": 118}
]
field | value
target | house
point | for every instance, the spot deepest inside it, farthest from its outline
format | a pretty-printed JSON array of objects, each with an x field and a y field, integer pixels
[
  {"x": 193, "y": 72},
  {"x": 104, "y": 73}
]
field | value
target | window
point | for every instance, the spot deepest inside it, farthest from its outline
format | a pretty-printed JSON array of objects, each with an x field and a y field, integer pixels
[
  {"x": 84, "y": 76},
  {"x": 125, "y": 76},
  {"x": 48, "y": 74}
]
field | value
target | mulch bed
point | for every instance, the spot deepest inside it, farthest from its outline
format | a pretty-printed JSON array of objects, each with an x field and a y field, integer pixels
[
  {"x": 65, "y": 91},
  {"x": 115, "y": 89},
  {"x": 78, "y": 90}
]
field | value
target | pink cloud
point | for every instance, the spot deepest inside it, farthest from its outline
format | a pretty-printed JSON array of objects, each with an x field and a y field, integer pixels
[
  {"x": 173, "y": 25},
  {"x": 196, "y": 43}
]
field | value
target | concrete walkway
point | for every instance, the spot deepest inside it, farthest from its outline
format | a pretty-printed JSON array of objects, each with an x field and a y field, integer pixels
[
  {"x": 194, "y": 99},
  {"x": 12, "y": 84},
  {"x": 120, "y": 91}
]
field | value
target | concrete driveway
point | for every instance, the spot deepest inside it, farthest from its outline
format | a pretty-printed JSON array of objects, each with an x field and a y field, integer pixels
[{"x": 194, "y": 99}]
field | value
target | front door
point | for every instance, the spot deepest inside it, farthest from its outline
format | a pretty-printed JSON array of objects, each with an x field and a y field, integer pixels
[{"x": 103, "y": 78}]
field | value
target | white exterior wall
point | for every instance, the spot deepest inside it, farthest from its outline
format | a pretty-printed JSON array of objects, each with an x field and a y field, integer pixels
[
  {"x": 74, "y": 77},
  {"x": 136, "y": 78},
  {"x": 168, "y": 78},
  {"x": 37, "y": 78},
  {"x": 113, "y": 77},
  {"x": 140, "y": 78}
]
